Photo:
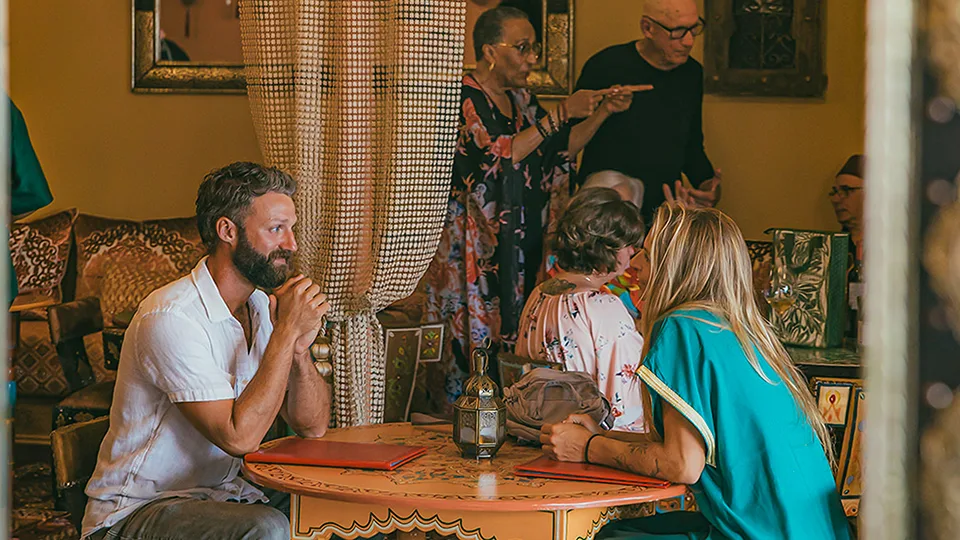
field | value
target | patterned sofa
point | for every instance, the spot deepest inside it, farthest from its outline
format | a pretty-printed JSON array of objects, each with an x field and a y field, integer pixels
[{"x": 69, "y": 256}]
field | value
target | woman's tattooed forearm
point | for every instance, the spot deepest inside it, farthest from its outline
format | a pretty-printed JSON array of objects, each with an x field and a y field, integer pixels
[{"x": 637, "y": 458}]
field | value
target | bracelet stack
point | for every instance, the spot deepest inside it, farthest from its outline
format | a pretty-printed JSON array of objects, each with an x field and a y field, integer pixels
[
  {"x": 555, "y": 119},
  {"x": 542, "y": 130}
]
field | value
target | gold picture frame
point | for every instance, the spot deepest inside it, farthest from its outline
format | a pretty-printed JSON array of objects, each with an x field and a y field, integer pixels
[
  {"x": 151, "y": 75},
  {"x": 552, "y": 78}
]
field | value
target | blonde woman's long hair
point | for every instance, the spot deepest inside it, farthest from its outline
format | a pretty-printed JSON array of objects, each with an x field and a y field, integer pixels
[{"x": 699, "y": 260}]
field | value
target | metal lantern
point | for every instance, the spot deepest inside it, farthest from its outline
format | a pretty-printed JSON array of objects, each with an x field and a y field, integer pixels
[{"x": 479, "y": 415}]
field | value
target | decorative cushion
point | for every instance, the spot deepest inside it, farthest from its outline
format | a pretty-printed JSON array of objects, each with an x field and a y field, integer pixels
[
  {"x": 161, "y": 246},
  {"x": 36, "y": 367},
  {"x": 126, "y": 285},
  {"x": 40, "y": 250}
]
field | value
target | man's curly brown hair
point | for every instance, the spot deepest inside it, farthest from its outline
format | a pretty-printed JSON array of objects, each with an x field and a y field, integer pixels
[{"x": 596, "y": 225}]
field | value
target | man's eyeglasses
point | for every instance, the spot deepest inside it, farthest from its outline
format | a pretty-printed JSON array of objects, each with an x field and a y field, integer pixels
[
  {"x": 679, "y": 32},
  {"x": 525, "y": 49},
  {"x": 843, "y": 191}
]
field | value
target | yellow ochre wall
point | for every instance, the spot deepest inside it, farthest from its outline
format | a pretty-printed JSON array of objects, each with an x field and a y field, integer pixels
[
  {"x": 104, "y": 149},
  {"x": 108, "y": 151}
]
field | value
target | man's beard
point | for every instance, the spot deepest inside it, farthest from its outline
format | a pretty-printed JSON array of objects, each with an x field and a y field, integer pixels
[{"x": 259, "y": 269}]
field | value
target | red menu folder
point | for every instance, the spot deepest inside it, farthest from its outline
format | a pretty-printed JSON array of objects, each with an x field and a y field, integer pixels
[
  {"x": 544, "y": 467},
  {"x": 349, "y": 455}
]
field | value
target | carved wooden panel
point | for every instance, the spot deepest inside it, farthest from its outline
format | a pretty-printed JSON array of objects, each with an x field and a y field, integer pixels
[{"x": 765, "y": 48}]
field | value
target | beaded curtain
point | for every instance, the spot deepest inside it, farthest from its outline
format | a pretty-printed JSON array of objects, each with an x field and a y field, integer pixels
[{"x": 359, "y": 101}]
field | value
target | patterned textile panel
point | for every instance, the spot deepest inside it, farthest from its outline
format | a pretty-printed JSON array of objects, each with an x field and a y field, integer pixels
[
  {"x": 761, "y": 255},
  {"x": 833, "y": 398},
  {"x": 402, "y": 345},
  {"x": 684, "y": 503},
  {"x": 40, "y": 250},
  {"x": 156, "y": 247},
  {"x": 125, "y": 286},
  {"x": 36, "y": 368},
  {"x": 814, "y": 263},
  {"x": 850, "y": 465}
]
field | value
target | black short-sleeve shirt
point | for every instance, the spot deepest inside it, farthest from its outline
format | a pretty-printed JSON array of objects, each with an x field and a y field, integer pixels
[{"x": 661, "y": 135}]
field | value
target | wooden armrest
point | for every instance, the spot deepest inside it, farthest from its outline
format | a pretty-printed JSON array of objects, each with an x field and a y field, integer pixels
[
  {"x": 75, "y": 448},
  {"x": 75, "y": 319}
]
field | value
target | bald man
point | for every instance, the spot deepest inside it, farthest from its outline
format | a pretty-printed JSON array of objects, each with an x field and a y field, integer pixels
[{"x": 661, "y": 135}]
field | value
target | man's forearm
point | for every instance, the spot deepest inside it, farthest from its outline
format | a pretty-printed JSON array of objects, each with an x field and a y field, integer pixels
[
  {"x": 307, "y": 405},
  {"x": 257, "y": 407}
]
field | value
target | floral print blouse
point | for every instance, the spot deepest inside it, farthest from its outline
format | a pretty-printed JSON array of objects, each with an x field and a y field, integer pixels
[
  {"x": 592, "y": 332},
  {"x": 500, "y": 210}
]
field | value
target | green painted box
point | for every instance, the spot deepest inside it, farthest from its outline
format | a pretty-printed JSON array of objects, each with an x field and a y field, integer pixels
[{"x": 815, "y": 264}]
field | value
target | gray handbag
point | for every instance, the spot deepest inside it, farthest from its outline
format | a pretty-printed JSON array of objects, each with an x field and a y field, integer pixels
[{"x": 547, "y": 396}]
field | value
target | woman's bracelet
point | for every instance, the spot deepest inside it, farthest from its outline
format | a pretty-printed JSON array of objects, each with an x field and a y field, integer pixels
[
  {"x": 553, "y": 123},
  {"x": 542, "y": 130},
  {"x": 586, "y": 449},
  {"x": 563, "y": 113}
]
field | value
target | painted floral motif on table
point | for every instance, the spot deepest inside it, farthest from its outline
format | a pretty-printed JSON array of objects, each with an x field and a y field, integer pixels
[{"x": 441, "y": 465}]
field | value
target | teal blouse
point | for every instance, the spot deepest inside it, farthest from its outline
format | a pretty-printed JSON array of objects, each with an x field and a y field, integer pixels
[
  {"x": 766, "y": 474},
  {"x": 28, "y": 186}
]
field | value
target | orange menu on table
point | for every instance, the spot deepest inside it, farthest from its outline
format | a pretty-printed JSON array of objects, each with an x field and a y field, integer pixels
[
  {"x": 544, "y": 467},
  {"x": 348, "y": 455}
]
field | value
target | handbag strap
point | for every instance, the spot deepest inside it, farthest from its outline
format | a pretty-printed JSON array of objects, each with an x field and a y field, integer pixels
[{"x": 789, "y": 243}]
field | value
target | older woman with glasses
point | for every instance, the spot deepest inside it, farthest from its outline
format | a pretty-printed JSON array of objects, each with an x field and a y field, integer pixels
[
  {"x": 572, "y": 319},
  {"x": 510, "y": 177}
]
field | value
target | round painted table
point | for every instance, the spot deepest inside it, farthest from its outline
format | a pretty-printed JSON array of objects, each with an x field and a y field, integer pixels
[{"x": 443, "y": 492}]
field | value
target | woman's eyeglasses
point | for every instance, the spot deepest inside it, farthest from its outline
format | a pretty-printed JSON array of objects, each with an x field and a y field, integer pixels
[
  {"x": 843, "y": 191},
  {"x": 679, "y": 32},
  {"x": 525, "y": 49}
]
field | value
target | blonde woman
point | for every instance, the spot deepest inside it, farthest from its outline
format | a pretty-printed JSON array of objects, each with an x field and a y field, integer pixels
[{"x": 735, "y": 418}]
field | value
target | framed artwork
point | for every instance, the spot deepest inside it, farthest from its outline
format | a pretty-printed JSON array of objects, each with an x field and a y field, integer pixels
[
  {"x": 186, "y": 47},
  {"x": 765, "y": 48},
  {"x": 194, "y": 47}
]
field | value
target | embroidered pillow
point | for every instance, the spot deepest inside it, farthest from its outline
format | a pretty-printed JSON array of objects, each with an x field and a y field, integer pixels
[
  {"x": 40, "y": 250},
  {"x": 166, "y": 247}
]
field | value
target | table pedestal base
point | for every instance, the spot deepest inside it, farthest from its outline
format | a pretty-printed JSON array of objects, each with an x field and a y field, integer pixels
[{"x": 316, "y": 519}]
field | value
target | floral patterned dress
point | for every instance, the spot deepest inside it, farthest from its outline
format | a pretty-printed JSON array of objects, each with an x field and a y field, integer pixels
[
  {"x": 592, "y": 332},
  {"x": 500, "y": 210}
]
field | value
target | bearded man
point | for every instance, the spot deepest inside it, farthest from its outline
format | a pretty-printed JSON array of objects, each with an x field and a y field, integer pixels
[{"x": 207, "y": 364}]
